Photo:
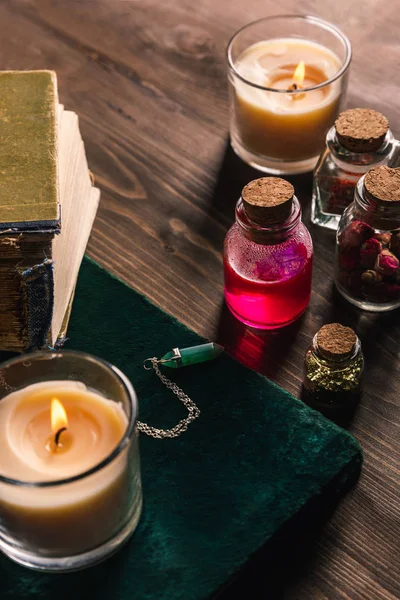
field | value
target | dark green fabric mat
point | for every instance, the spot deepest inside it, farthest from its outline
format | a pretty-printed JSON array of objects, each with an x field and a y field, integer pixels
[{"x": 216, "y": 494}]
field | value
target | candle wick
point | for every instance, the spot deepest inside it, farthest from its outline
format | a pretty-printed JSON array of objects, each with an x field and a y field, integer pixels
[
  {"x": 57, "y": 436},
  {"x": 293, "y": 87}
]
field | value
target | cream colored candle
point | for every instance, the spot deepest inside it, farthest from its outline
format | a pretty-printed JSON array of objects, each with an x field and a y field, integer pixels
[
  {"x": 73, "y": 517},
  {"x": 285, "y": 126}
]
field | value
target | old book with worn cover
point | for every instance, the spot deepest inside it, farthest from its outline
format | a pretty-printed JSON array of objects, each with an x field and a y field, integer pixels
[{"x": 47, "y": 208}]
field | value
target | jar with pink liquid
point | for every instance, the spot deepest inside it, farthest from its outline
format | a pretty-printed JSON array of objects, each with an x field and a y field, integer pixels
[{"x": 268, "y": 255}]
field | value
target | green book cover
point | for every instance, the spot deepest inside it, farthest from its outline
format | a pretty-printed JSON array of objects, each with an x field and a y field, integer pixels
[{"x": 28, "y": 149}]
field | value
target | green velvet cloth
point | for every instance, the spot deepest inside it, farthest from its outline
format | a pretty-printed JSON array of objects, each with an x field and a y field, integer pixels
[{"x": 213, "y": 496}]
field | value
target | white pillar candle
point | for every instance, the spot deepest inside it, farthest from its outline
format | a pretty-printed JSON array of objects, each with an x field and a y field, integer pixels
[
  {"x": 283, "y": 125},
  {"x": 76, "y": 516}
]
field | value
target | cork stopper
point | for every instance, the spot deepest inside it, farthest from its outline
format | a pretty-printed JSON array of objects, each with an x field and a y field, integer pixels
[
  {"x": 268, "y": 200},
  {"x": 336, "y": 341},
  {"x": 361, "y": 129},
  {"x": 383, "y": 183}
]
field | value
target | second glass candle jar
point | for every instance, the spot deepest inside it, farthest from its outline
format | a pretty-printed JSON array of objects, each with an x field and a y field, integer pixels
[
  {"x": 287, "y": 83},
  {"x": 268, "y": 256}
]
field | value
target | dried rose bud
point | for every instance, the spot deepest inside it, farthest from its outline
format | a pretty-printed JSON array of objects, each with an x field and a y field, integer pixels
[
  {"x": 348, "y": 259},
  {"x": 387, "y": 263},
  {"x": 394, "y": 244},
  {"x": 369, "y": 251},
  {"x": 384, "y": 238},
  {"x": 355, "y": 234},
  {"x": 371, "y": 277}
]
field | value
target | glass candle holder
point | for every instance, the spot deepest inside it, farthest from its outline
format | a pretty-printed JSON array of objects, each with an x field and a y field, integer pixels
[
  {"x": 287, "y": 83},
  {"x": 66, "y": 503}
]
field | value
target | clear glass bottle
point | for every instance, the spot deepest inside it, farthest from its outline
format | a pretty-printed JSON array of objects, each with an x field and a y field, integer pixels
[
  {"x": 359, "y": 140},
  {"x": 367, "y": 262},
  {"x": 333, "y": 369},
  {"x": 268, "y": 256}
]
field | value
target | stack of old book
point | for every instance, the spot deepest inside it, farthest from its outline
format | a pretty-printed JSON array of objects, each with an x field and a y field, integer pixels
[{"x": 47, "y": 208}]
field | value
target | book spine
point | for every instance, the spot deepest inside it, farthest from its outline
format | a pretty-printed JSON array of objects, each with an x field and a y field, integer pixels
[
  {"x": 26, "y": 304},
  {"x": 37, "y": 287}
]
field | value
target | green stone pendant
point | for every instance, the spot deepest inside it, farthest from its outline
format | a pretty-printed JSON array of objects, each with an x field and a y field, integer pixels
[{"x": 182, "y": 357}]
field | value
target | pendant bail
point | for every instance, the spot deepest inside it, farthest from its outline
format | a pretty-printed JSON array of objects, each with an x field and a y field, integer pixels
[
  {"x": 152, "y": 362},
  {"x": 175, "y": 355}
]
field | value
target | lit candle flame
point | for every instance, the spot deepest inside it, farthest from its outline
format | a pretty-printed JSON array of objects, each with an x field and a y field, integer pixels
[
  {"x": 59, "y": 419},
  {"x": 298, "y": 75}
]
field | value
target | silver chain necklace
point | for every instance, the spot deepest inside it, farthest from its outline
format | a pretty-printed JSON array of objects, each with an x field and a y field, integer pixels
[{"x": 191, "y": 407}]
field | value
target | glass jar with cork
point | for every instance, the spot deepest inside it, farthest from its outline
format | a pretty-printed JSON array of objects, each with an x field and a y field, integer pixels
[
  {"x": 359, "y": 140},
  {"x": 268, "y": 256},
  {"x": 333, "y": 370},
  {"x": 367, "y": 271}
]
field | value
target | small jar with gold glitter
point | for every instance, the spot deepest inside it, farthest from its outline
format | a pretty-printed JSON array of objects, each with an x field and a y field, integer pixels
[{"x": 333, "y": 369}]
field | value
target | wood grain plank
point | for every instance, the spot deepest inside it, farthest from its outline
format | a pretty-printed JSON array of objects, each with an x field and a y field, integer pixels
[{"x": 148, "y": 81}]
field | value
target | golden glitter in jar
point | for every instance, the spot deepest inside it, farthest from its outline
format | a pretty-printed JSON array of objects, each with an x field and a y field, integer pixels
[{"x": 333, "y": 369}]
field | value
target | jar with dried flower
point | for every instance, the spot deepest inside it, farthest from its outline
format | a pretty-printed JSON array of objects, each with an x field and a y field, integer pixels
[{"x": 367, "y": 271}]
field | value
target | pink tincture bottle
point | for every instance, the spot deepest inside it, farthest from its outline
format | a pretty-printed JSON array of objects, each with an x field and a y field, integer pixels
[{"x": 268, "y": 256}]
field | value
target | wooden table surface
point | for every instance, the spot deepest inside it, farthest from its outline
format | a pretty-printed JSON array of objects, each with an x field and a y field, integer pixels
[{"x": 148, "y": 80}]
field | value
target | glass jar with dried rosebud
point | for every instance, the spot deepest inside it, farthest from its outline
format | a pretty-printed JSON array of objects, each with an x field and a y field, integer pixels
[
  {"x": 268, "y": 256},
  {"x": 367, "y": 271},
  {"x": 359, "y": 140}
]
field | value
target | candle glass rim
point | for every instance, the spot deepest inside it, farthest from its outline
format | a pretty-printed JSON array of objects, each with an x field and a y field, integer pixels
[
  {"x": 307, "y": 18},
  {"x": 117, "y": 450}
]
